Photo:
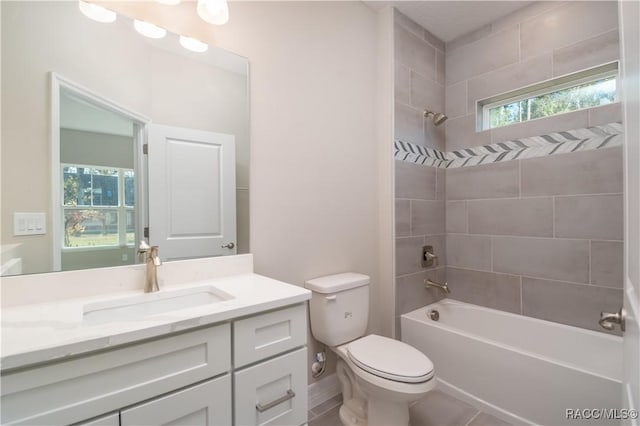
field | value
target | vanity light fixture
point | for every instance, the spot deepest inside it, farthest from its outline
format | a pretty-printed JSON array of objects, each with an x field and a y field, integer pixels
[
  {"x": 193, "y": 44},
  {"x": 213, "y": 11},
  {"x": 97, "y": 13},
  {"x": 149, "y": 30},
  {"x": 169, "y": 2}
]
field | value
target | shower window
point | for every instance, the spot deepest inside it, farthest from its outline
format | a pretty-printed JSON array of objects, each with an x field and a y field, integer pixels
[
  {"x": 97, "y": 206},
  {"x": 577, "y": 91}
]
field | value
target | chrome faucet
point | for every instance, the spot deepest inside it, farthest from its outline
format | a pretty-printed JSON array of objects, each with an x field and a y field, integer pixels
[
  {"x": 150, "y": 253},
  {"x": 444, "y": 287}
]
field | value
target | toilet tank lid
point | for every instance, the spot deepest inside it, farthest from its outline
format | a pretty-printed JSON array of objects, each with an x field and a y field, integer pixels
[{"x": 338, "y": 282}]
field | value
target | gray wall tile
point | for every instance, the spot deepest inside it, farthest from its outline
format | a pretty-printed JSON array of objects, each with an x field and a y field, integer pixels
[
  {"x": 461, "y": 133},
  {"x": 434, "y": 135},
  {"x": 408, "y": 24},
  {"x": 566, "y": 25},
  {"x": 552, "y": 258},
  {"x": 456, "y": 212},
  {"x": 403, "y": 218},
  {"x": 408, "y": 253},
  {"x": 588, "y": 172},
  {"x": 470, "y": 37},
  {"x": 415, "y": 181},
  {"x": 427, "y": 217},
  {"x": 426, "y": 94},
  {"x": 402, "y": 84},
  {"x": 417, "y": 29},
  {"x": 469, "y": 251},
  {"x": 441, "y": 75},
  {"x": 567, "y": 303},
  {"x": 541, "y": 126},
  {"x": 587, "y": 53},
  {"x": 414, "y": 52},
  {"x": 527, "y": 217},
  {"x": 605, "y": 114},
  {"x": 411, "y": 293},
  {"x": 489, "y": 53},
  {"x": 456, "y": 100},
  {"x": 498, "y": 291},
  {"x": 589, "y": 216},
  {"x": 498, "y": 180},
  {"x": 441, "y": 184},
  {"x": 607, "y": 258},
  {"x": 408, "y": 124},
  {"x": 509, "y": 78}
]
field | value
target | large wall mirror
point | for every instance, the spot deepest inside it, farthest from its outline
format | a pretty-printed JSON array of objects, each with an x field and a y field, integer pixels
[{"x": 106, "y": 132}]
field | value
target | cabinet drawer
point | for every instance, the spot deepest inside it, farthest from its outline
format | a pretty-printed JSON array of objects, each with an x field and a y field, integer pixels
[
  {"x": 112, "y": 419},
  {"x": 205, "y": 404},
  {"x": 273, "y": 392},
  {"x": 269, "y": 334},
  {"x": 70, "y": 391}
]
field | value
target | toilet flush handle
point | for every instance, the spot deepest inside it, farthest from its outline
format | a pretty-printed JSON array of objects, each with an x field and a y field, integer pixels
[{"x": 332, "y": 297}]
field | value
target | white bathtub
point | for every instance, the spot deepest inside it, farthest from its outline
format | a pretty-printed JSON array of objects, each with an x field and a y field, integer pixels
[{"x": 518, "y": 368}]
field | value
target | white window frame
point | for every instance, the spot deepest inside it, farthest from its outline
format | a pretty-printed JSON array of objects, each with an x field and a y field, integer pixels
[
  {"x": 549, "y": 86},
  {"x": 59, "y": 84},
  {"x": 121, "y": 208}
]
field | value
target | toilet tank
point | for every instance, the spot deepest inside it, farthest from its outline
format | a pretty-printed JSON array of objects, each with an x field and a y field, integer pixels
[{"x": 339, "y": 307}]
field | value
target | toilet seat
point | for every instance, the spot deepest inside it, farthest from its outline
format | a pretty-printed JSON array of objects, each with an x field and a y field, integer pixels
[{"x": 390, "y": 359}]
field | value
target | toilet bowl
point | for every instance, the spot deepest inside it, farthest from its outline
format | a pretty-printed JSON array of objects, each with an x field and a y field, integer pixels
[{"x": 379, "y": 376}]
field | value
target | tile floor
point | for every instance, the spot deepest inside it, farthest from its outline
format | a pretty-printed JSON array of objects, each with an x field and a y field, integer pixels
[{"x": 436, "y": 409}]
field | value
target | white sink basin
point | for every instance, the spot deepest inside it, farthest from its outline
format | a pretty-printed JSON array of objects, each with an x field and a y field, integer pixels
[{"x": 148, "y": 304}]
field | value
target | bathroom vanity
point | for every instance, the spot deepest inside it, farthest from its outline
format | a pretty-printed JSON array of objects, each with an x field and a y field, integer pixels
[{"x": 218, "y": 345}]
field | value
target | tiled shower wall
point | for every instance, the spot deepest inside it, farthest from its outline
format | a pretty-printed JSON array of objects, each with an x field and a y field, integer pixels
[
  {"x": 419, "y": 193},
  {"x": 543, "y": 236}
]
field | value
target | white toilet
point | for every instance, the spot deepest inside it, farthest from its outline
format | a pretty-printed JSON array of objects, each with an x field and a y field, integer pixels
[{"x": 380, "y": 377}]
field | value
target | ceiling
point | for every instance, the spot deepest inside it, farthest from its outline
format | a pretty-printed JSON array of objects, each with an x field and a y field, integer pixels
[{"x": 449, "y": 20}]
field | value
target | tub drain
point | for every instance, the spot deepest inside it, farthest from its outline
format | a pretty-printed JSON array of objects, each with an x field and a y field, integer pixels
[{"x": 434, "y": 315}]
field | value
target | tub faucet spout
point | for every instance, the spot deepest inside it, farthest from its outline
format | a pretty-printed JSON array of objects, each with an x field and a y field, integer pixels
[
  {"x": 444, "y": 287},
  {"x": 152, "y": 260}
]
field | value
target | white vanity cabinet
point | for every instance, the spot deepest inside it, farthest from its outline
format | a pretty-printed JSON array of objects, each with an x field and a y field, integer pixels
[
  {"x": 180, "y": 379},
  {"x": 270, "y": 374}
]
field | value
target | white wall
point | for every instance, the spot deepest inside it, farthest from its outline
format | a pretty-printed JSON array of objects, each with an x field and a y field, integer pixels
[{"x": 314, "y": 149}]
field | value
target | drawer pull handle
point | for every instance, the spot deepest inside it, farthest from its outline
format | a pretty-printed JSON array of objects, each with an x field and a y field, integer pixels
[{"x": 262, "y": 408}]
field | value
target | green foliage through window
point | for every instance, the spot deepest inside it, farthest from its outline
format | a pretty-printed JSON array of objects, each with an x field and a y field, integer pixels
[
  {"x": 98, "y": 206},
  {"x": 567, "y": 98}
]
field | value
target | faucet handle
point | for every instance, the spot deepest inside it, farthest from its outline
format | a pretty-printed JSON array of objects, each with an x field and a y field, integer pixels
[
  {"x": 155, "y": 258},
  {"x": 144, "y": 246}
]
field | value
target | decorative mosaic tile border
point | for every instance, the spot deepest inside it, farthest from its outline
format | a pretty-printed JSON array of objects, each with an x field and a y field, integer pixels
[{"x": 584, "y": 139}]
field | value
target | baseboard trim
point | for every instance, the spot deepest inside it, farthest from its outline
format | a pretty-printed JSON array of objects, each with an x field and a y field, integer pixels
[{"x": 323, "y": 390}]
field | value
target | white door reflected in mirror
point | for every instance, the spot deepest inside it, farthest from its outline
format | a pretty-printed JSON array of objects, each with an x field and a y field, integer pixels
[{"x": 192, "y": 199}]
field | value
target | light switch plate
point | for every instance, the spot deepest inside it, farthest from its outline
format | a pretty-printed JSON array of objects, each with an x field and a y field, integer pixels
[{"x": 32, "y": 223}]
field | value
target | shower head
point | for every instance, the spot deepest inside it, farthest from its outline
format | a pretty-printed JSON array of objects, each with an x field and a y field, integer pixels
[{"x": 437, "y": 117}]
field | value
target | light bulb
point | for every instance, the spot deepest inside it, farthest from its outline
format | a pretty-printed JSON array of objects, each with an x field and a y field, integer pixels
[
  {"x": 149, "y": 30},
  {"x": 193, "y": 44},
  {"x": 214, "y": 11},
  {"x": 97, "y": 13}
]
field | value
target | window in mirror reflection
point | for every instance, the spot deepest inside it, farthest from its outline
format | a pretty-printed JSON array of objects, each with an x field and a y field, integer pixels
[{"x": 97, "y": 206}]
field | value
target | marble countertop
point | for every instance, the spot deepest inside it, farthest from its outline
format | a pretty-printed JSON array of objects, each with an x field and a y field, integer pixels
[{"x": 41, "y": 332}]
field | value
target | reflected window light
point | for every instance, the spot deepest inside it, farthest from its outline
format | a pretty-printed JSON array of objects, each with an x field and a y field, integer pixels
[
  {"x": 97, "y": 13},
  {"x": 213, "y": 11},
  {"x": 149, "y": 30},
  {"x": 193, "y": 44}
]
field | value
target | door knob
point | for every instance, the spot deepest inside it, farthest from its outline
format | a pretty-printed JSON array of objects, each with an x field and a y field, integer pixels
[
  {"x": 609, "y": 320},
  {"x": 229, "y": 245}
]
